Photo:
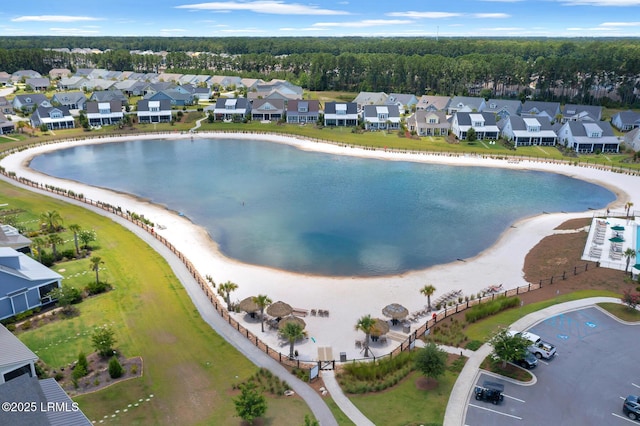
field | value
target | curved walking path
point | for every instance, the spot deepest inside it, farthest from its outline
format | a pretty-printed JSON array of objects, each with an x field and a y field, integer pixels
[
  {"x": 223, "y": 328},
  {"x": 341, "y": 400},
  {"x": 459, "y": 397}
]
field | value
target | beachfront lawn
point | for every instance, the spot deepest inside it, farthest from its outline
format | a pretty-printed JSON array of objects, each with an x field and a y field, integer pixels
[
  {"x": 188, "y": 368},
  {"x": 407, "y": 403}
]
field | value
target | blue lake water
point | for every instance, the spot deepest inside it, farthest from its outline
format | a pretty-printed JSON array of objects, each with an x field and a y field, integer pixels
[{"x": 274, "y": 205}]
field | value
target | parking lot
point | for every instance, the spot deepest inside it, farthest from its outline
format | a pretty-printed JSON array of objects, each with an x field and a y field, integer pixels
[{"x": 595, "y": 368}]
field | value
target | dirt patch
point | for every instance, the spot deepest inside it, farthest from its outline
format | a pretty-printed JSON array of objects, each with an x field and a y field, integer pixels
[
  {"x": 426, "y": 383},
  {"x": 98, "y": 377},
  {"x": 575, "y": 224}
]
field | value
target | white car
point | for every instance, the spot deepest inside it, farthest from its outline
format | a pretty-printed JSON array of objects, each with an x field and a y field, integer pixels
[{"x": 538, "y": 347}]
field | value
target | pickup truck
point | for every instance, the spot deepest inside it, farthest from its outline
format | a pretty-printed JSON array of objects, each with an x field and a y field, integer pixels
[{"x": 538, "y": 347}]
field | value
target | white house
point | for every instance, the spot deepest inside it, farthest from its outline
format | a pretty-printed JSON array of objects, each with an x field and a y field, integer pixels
[
  {"x": 484, "y": 124},
  {"x": 529, "y": 131},
  {"x": 588, "y": 136},
  {"x": 231, "y": 109},
  {"x": 381, "y": 117},
  {"x": 427, "y": 122},
  {"x": 154, "y": 111},
  {"x": 104, "y": 113},
  {"x": 54, "y": 118},
  {"x": 340, "y": 114}
]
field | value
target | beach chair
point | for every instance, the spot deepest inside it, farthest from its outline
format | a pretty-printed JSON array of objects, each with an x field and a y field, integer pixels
[{"x": 313, "y": 312}]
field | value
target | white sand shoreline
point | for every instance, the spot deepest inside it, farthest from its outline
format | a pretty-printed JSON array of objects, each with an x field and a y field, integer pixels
[{"x": 347, "y": 298}]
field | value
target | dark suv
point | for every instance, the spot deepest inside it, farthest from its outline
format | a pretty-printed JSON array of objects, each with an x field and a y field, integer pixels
[
  {"x": 529, "y": 361},
  {"x": 631, "y": 407}
]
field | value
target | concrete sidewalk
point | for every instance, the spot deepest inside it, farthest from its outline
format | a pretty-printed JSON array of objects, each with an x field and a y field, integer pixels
[{"x": 459, "y": 397}]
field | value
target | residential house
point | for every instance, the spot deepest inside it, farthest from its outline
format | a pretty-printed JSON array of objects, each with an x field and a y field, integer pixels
[
  {"x": 58, "y": 73},
  {"x": 28, "y": 103},
  {"x": 20, "y": 75},
  {"x": 381, "y": 117},
  {"x": 433, "y": 103},
  {"x": 97, "y": 84},
  {"x": 201, "y": 93},
  {"x": 301, "y": 112},
  {"x": 249, "y": 83},
  {"x": 154, "y": 111},
  {"x": 483, "y": 123},
  {"x": 131, "y": 87},
  {"x": 186, "y": 79},
  {"x": 626, "y": 120},
  {"x": 588, "y": 136},
  {"x": 16, "y": 359},
  {"x": 370, "y": 98},
  {"x": 109, "y": 95},
  {"x": 465, "y": 104},
  {"x": 72, "y": 100},
  {"x": 176, "y": 97},
  {"x": 104, "y": 113},
  {"x": 502, "y": 108},
  {"x": 551, "y": 110},
  {"x": 428, "y": 123},
  {"x": 24, "y": 283},
  {"x": 226, "y": 82},
  {"x": 5, "y": 106},
  {"x": 38, "y": 84},
  {"x": 632, "y": 139},
  {"x": 11, "y": 237},
  {"x": 201, "y": 80},
  {"x": 169, "y": 77},
  {"x": 341, "y": 114},
  {"x": 267, "y": 110},
  {"x": 53, "y": 407},
  {"x": 275, "y": 89},
  {"x": 581, "y": 113},
  {"x": 54, "y": 118},
  {"x": 6, "y": 126},
  {"x": 231, "y": 109},
  {"x": 72, "y": 83},
  {"x": 404, "y": 102},
  {"x": 5, "y": 78},
  {"x": 526, "y": 131}
]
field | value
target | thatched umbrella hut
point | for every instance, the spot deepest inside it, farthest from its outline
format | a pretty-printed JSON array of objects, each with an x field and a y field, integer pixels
[
  {"x": 249, "y": 306},
  {"x": 279, "y": 309},
  {"x": 380, "y": 327},
  {"x": 291, "y": 318},
  {"x": 395, "y": 311}
]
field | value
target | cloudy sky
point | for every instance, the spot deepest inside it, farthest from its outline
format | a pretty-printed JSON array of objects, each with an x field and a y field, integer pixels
[{"x": 485, "y": 18}]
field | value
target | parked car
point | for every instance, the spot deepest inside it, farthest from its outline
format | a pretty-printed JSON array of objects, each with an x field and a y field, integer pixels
[
  {"x": 631, "y": 407},
  {"x": 490, "y": 391},
  {"x": 529, "y": 361},
  {"x": 538, "y": 347}
]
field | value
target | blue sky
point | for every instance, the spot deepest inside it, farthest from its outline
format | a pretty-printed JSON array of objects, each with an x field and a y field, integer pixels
[{"x": 486, "y": 18}]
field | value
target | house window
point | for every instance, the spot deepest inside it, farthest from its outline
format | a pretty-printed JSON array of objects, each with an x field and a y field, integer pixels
[
  {"x": 433, "y": 120},
  {"x": 56, "y": 114},
  {"x": 154, "y": 109},
  {"x": 303, "y": 109},
  {"x": 383, "y": 117},
  {"x": 478, "y": 124},
  {"x": 341, "y": 109},
  {"x": 104, "y": 111}
]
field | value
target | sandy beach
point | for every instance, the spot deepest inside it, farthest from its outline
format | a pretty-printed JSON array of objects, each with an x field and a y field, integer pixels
[{"x": 347, "y": 299}]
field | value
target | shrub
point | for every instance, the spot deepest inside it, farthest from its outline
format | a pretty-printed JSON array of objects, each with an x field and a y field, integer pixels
[
  {"x": 26, "y": 325},
  {"x": 94, "y": 288},
  {"x": 69, "y": 254},
  {"x": 133, "y": 370},
  {"x": 58, "y": 376},
  {"x": 484, "y": 310},
  {"x": 115, "y": 369}
]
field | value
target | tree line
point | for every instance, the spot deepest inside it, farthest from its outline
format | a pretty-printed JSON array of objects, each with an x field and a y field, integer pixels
[{"x": 592, "y": 71}]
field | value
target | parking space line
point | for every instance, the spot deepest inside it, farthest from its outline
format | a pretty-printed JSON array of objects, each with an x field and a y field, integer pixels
[
  {"x": 543, "y": 362},
  {"x": 495, "y": 411},
  {"x": 638, "y": 386},
  {"x": 624, "y": 418},
  {"x": 514, "y": 398}
]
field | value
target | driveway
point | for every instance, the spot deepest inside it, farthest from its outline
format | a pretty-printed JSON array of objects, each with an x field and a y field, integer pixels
[{"x": 595, "y": 368}]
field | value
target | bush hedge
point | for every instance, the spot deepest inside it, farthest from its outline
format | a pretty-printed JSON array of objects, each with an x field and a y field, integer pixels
[{"x": 484, "y": 310}]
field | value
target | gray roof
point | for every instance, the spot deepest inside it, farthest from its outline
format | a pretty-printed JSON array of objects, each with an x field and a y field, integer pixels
[
  {"x": 31, "y": 99},
  {"x": 31, "y": 390},
  {"x": 629, "y": 117},
  {"x": 38, "y": 82},
  {"x": 518, "y": 123},
  {"x": 108, "y": 95},
  {"x": 497, "y": 105},
  {"x": 464, "y": 118},
  {"x": 13, "y": 351},
  {"x": 93, "y": 106},
  {"x": 471, "y": 101},
  {"x": 9, "y": 236},
  {"x": 143, "y": 104},
  {"x": 330, "y": 107},
  {"x": 579, "y": 129},
  {"x": 372, "y": 110},
  {"x": 573, "y": 110},
  {"x": 537, "y": 107},
  {"x": 259, "y": 105},
  {"x": 241, "y": 103},
  {"x": 68, "y": 98},
  {"x": 371, "y": 98},
  {"x": 403, "y": 98}
]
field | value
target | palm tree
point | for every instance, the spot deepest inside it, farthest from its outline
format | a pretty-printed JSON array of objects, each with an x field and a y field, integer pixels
[
  {"x": 54, "y": 240},
  {"x": 428, "y": 291},
  {"x": 38, "y": 243},
  {"x": 95, "y": 266},
  {"x": 51, "y": 220},
  {"x": 292, "y": 331},
  {"x": 75, "y": 229},
  {"x": 225, "y": 290},
  {"x": 629, "y": 253},
  {"x": 262, "y": 300},
  {"x": 365, "y": 324},
  {"x": 628, "y": 207}
]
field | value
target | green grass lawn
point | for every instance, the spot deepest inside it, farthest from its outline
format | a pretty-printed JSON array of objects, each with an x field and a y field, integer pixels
[
  {"x": 188, "y": 368},
  {"x": 405, "y": 404}
]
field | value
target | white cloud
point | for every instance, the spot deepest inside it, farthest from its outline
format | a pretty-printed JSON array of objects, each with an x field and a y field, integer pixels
[
  {"x": 623, "y": 3},
  {"x": 54, "y": 18},
  {"x": 364, "y": 23},
  {"x": 620, "y": 24},
  {"x": 427, "y": 15},
  {"x": 173, "y": 30},
  {"x": 491, "y": 15},
  {"x": 272, "y": 7},
  {"x": 309, "y": 29}
]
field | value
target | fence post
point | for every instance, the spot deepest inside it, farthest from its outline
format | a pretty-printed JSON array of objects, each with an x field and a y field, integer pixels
[{"x": 564, "y": 275}]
